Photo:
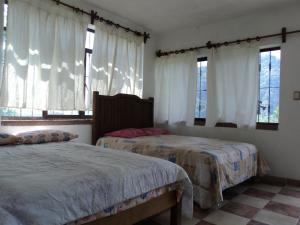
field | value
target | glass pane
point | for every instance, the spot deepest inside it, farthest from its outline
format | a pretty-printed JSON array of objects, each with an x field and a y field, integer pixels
[
  {"x": 197, "y": 110},
  {"x": 88, "y": 113},
  {"x": 9, "y": 112},
  {"x": 275, "y": 69},
  {"x": 274, "y": 105},
  {"x": 26, "y": 113},
  {"x": 63, "y": 113},
  {"x": 264, "y": 69},
  {"x": 5, "y": 15},
  {"x": 37, "y": 113},
  {"x": 263, "y": 105},
  {"x": 203, "y": 104},
  {"x": 89, "y": 42},
  {"x": 201, "y": 101}
]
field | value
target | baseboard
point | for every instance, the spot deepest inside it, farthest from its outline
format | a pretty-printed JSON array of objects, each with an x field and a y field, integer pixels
[{"x": 278, "y": 181}]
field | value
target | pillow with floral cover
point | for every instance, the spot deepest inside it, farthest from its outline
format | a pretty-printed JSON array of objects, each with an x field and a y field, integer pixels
[
  {"x": 8, "y": 139},
  {"x": 45, "y": 136}
]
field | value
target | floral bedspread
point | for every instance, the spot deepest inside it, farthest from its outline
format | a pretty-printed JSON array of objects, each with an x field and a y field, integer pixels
[{"x": 213, "y": 165}]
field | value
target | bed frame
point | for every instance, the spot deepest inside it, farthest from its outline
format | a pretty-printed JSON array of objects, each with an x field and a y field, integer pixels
[
  {"x": 111, "y": 113},
  {"x": 148, "y": 209}
]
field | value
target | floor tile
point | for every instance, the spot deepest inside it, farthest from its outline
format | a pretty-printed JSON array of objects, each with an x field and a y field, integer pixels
[
  {"x": 267, "y": 187},
  {"x": 253, "y": 222},
  {"x": 285, "y": 199},
  {"x": 289, "y": 192},
  {"x": 252, "y": 201},
  {"x": 200, "y": 213},
  {"x": 284, "y": 209},
  {"x": 204, "y": 223},
  {"x": 293, "y": 188},
  {"x": 164, "y": 219},
  {"x": 272, "y": 218},
  {"x": 240, "y": 209},
  {"x": 223, "y": 218},
  {"x": 259, "y": 193}
]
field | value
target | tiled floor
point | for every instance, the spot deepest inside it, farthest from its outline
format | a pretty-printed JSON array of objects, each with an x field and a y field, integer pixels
[{"x": 248, "y": 204}]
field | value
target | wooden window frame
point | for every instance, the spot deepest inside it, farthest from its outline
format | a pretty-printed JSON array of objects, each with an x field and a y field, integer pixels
[{"x": 259, "y": 125}]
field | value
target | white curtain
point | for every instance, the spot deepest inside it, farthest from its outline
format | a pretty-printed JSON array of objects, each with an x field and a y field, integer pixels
[
  {"x": 175, "y": 88},
  {"x": 1, "y": 38},
  {"x": 232, "y": 85},
  {"x": 117, "y": 63},
  {"x": 44, "y": 66}
]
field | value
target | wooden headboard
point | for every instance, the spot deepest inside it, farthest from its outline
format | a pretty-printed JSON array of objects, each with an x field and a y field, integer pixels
[{"x": 111, "y": 113}]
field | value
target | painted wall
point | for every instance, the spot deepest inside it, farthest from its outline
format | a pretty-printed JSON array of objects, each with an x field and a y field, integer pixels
[
  {"x": 281, "y": 148},
  {"x": 85, "y": 131}
]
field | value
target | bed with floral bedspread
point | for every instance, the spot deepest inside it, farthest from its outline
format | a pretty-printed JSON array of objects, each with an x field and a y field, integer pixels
[{"x": 213, "y": 165}]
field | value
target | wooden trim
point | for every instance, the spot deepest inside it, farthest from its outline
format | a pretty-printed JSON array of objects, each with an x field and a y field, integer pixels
[
  {"x": 41, "y": 122},
  {"x": 267, "y": 126},
  {"x": 270, "y": 49},
  {"x": 146, "y": 210},
  {"x": 259, "y": 126}
]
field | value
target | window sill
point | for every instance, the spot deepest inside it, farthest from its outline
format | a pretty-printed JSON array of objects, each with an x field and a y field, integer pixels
[
  {"x": 42, "y": 122},
  {"x": 259, "y": 126}
]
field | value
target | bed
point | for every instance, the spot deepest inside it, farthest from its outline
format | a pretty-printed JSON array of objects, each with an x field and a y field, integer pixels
[
  {"x": 212, "y": 165},
  {"x": 69, "y": 183}
]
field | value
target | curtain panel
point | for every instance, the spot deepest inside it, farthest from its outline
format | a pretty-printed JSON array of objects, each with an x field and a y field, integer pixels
[
  {"x": 117, "y": 63},
  {"x": 44, "y": 67},
  {"x": 232, "y": 85},
  {"x": 175, "y": 88}
]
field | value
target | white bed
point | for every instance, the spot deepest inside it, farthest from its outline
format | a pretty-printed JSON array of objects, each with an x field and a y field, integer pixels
[{"x": 57, "y": 183}]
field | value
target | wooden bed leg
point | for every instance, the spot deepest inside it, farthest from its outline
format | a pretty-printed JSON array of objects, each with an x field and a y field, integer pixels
[{"x": 176, "y": 214}]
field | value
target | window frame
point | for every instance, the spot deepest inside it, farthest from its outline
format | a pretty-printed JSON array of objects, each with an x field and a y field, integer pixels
[
  {"x": 47, "y": 119},
  {"x": 259, "y": 125}
]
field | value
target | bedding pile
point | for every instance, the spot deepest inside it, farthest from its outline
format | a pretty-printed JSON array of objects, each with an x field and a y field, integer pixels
[{"x": 57, "y": 183}]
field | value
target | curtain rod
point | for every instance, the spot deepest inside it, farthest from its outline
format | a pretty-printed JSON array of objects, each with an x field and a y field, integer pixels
[
  {"x": 94, "y": 16},
  {"x": 210, "y": 45}
]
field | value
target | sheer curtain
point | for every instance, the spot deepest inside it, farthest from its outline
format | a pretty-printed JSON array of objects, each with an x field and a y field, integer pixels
[
  {"x": 232, "y": 85},
  {"x": 1, "y": 38},
  {"x": 44, "y": 66},
  {"x": 175, "y": 88},
  {"x": 117, "y": 63}
]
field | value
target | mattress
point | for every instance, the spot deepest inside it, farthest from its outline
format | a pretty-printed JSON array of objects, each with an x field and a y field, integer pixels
[
  {"x": 213, "y": 165},
  {"x": 59, "y": 183}
]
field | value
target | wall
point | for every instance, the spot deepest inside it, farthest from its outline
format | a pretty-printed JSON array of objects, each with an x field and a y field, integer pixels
[
  {"x": 282, "y": 147},
  {"x": 85, "y": 131}
]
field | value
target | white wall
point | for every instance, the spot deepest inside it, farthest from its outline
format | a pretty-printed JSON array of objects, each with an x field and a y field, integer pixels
[
  {"x": 282, "y": 147},
  {"x": 85, "y": 131}
]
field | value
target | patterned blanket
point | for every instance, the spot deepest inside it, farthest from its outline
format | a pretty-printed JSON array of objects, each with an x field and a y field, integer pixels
[
  {"x": 58, "y": 183},
  {"x": 212, "y": 165}
]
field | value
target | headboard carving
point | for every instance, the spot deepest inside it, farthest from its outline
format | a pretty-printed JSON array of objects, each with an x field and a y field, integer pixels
[{"x": 111, "y": 113}]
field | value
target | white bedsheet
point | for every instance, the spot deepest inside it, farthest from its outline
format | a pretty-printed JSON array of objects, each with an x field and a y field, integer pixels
[{"x": 52, "y": 184}]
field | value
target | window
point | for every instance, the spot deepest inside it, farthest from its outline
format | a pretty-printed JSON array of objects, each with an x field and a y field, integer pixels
[
  {"x": 14, "y": 113},
  {"x": 201, "y": 100},
  {"x": 268, "y": 107},
  {"x": 269, "y": 86}
]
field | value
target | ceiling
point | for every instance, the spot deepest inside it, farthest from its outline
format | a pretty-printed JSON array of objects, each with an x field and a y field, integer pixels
[{"x": 165, "y": 15}]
